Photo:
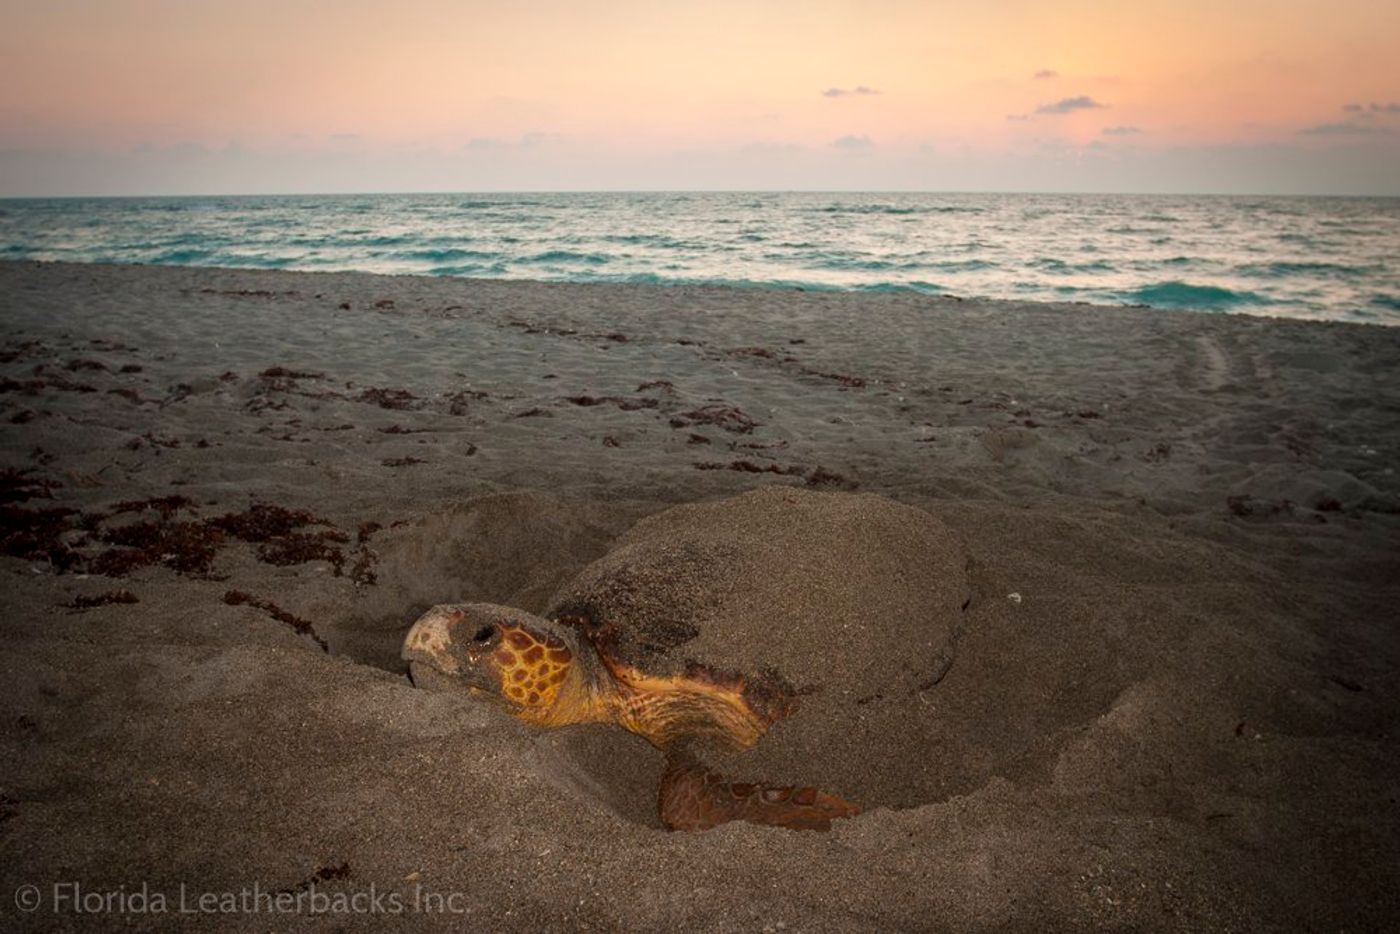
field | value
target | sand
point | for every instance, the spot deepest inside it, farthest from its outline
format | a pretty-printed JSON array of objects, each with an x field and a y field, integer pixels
[{"x": 1170, "y": 704}]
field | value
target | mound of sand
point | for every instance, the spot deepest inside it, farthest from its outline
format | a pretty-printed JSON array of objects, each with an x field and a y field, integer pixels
[
  {"x": 852, "y": 601},
  {"x": 851, "y": 594}
]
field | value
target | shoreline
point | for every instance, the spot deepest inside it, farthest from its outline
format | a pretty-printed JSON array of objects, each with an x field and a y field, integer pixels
[
  {"x": 1322, "y": 259},
  {"x": 1183, "y": 718},
  {"x": 736, "y": 285}
]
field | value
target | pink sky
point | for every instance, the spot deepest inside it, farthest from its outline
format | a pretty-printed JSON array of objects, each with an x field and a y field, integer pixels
[{"x": 205, "y": 96}]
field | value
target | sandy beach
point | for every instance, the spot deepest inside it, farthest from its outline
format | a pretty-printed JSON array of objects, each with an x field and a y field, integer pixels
[{"x": 1169, "y": 703}]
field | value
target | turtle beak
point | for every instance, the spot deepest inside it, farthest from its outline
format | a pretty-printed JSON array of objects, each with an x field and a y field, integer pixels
[
  {"x": 445, "y": 649},
  {"x": 428, "y": 644}
]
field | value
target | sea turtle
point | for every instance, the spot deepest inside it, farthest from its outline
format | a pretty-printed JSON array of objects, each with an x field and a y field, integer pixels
[{"x": 707, "y": 624}]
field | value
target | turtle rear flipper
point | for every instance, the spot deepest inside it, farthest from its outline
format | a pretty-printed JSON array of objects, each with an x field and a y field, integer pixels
[{"x": 693, "y": 797}]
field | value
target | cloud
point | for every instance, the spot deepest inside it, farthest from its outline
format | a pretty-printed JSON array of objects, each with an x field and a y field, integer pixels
[
  {"x": 859, "y": 90},
  {"x": 1373, "y": 109},
  {"x": 763, "y": 148},
  {"x": 1342, "y": 129},
  {"x": 853, "y": 143},
  {"x": 524, "y": 141},
  {"x": 1046, "y": 73},
  {"x": 1121, "y": 130},
  {"x": 1069, "y": 105}
]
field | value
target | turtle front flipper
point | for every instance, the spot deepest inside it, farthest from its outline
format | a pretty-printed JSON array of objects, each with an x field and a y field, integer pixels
[{"x": 693, "y": 797}]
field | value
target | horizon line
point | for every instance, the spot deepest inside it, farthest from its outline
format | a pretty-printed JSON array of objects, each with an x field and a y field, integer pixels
[{"x": 699, "y": 191}]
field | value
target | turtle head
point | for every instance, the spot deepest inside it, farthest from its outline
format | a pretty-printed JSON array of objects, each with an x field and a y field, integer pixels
[{"x": 530, "y": 665}]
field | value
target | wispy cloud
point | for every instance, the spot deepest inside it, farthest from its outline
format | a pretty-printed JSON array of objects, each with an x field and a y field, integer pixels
[
  {"x": 1361, "y": 121},
  {"x": 1373, "y": 108},
  {"x": 853, "y": 142},
  {"x": 1069, "y": 105},
  {"x": 1121, "y": 130},
  {"x": 1343, "y": 129},
  {"x": 524, "y": 141},
  {"x": 859, "y": 90},
  {"x": 1046, "y": 73}
]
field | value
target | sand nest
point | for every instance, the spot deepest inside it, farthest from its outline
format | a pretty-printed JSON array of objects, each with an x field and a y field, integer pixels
[{"x": 853, "y": 602}]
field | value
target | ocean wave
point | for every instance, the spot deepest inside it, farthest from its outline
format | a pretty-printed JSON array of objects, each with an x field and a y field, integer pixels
[
  {"x": 895, "y": 209},
  {"x": 914, "y": 285},
  {"x": 867, "y": 263},
  {"x": 1186, "y": 295},
  {"x": 255, "y": 260},
  {"x": 660, "y": 241},
  {"x": 385, "y": 240},
  {"x": 474, "y": 205},
  {"x": 567, "y": 256},
  {"x": 1291, "y": 268},
  {"x": 469, "y": 269},
  {"x": 962, "y": 265},
  {"x": 859, "y": 263},
  {"x": 184, "y": 257},
  {"x": 864, "y": 209},
  {"x": 1061, "y": 268},
  {"x": 1388, "y": 302},
  {"x": 441, "y": 256}
]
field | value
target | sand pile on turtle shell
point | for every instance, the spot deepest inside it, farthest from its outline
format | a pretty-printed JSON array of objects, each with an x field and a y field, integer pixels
[{"x": 852, "y": 602}]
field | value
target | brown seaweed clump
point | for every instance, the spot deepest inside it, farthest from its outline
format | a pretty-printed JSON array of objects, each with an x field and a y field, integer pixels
[
  {"x": 39, "y": 535},
  {"x": 300, "y": 626},
  {"x": 103, "y": 599},
  {"x": 16, "y": 486},
  {"x": 185, "y": 547},
  {"x": 730, "y": 418},
  {"x": 165, "y": 531}
]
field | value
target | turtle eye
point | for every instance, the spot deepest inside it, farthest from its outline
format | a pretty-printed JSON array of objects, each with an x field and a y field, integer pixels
[{"x": 484, "y": 634}]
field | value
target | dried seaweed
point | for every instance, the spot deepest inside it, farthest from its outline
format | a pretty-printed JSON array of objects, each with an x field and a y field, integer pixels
[
  {"x": 300, "y": 626},
  {"x": 727, "y": 417},
  {"x": 184, "y": 547},
  {"x": 17, "y": 486},
  {"x": 103, "y": 599},
  {"x": 36, "y": 535},
  {"x": 394, "y": 399}
]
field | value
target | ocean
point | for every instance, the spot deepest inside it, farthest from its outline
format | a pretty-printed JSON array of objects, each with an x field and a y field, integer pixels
[{"x": 1297, "y": 257}]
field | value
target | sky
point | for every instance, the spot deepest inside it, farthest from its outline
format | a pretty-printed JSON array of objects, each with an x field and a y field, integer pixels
[{"x": 271, "y": 96}]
